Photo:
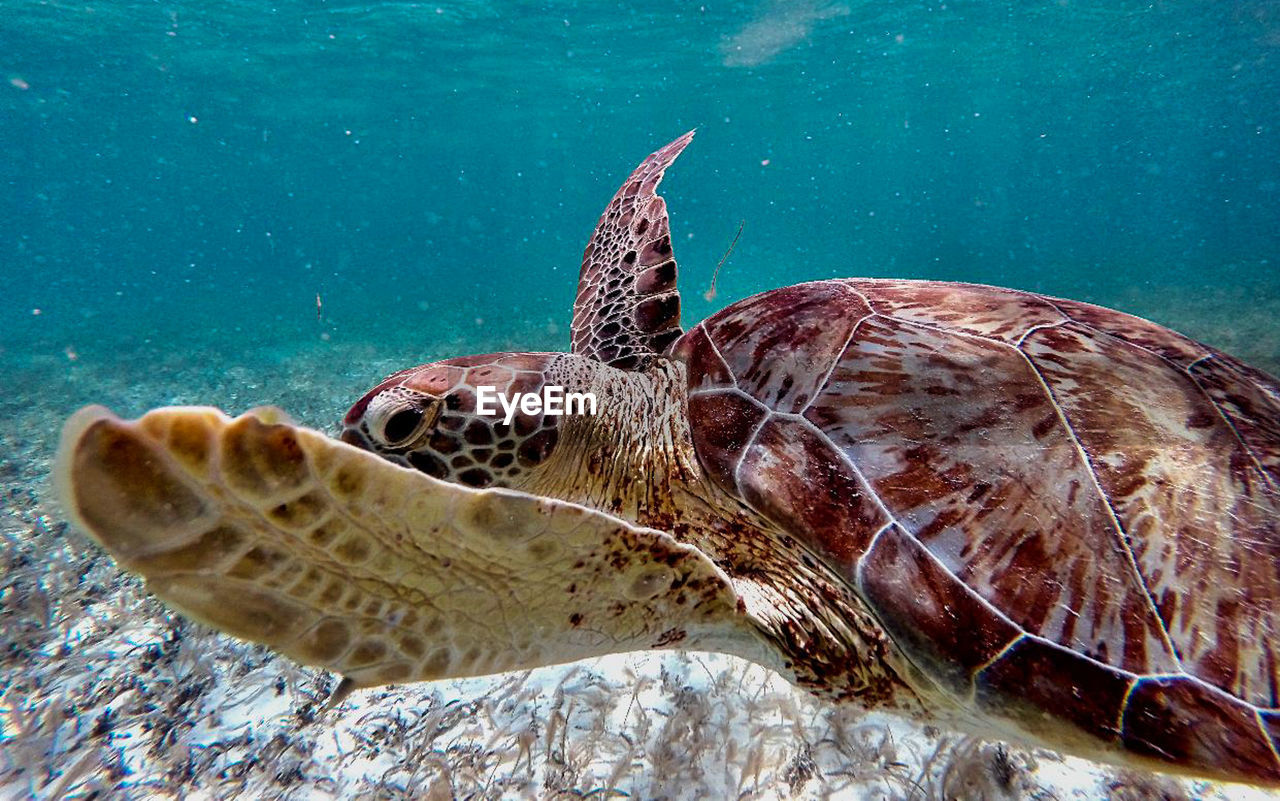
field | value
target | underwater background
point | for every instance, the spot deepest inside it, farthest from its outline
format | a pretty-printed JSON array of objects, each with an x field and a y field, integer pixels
[{"x": 240, "y": 203}]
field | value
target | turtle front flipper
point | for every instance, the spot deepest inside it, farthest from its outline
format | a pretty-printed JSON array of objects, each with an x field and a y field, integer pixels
[
  {"x": 334, "y": 557},
  {"x": 628, "y": 307}
]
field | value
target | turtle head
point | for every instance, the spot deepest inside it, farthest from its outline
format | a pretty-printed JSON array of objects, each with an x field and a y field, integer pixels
[{"x": 477, "y": 420}]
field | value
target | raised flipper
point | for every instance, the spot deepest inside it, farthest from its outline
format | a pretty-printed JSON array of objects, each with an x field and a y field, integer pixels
[
  {"x": 334, "y": 557},
  {"x": 628, "y": 308}
]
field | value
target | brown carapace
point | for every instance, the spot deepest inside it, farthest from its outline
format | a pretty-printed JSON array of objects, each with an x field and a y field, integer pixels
[{"x": 1034, "y": 518}]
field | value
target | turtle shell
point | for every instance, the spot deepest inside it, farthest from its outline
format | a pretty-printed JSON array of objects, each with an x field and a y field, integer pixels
[{"x": 1065, "y": 517}]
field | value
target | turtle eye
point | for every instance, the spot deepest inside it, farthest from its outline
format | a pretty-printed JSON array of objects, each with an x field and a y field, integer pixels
[{"x": 402, "y": 425}]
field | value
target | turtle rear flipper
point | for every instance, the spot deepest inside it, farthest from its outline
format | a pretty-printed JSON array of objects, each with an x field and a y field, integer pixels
[{"x": 334, "y": 557}]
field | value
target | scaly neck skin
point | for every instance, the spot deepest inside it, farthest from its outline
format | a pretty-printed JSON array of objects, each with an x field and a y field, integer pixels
[
  {"x": 635, "y": 459},
  {"x": 629, "y": 458}
]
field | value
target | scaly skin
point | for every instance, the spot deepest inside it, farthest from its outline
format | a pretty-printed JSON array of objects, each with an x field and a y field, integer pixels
[
  {"x": 282, "y": 536},
  {"x": 635, "y": 459},
  {"x": 334, "y": 557}
]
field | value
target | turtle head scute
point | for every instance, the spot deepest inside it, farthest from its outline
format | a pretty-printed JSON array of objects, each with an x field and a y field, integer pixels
[{"x": 461, "y": 420}]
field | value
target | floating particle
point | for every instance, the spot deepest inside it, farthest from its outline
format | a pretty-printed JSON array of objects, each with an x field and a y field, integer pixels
[{"x": 18, "y": 83}]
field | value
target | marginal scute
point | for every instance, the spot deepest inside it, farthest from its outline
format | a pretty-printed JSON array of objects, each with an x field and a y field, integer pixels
[
  {"x": 1182, "y": 721},
  {"x": 722, "y": 424},
  {"x": 705, "y": 369},
  {"x": 942, "y": 628},
  {"x": 1034, "y": 676}
]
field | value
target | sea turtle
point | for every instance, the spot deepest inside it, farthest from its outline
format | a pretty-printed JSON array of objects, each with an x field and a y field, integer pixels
[{"x": 1034, "y": 518}]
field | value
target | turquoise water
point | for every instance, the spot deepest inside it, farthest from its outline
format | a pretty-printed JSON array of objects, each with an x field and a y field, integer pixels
[
  {"x": 188, "y": 175},
  {"x": 242, "y": 203}
]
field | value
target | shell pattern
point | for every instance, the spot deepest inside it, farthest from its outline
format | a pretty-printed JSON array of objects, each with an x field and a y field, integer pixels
[{"x": 1060, "y": 513}]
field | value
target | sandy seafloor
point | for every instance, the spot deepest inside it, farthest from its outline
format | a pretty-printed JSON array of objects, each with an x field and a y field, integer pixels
[{"x": 106, "y": 694}]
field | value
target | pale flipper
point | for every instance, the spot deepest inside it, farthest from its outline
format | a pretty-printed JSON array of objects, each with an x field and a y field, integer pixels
[{"x": 335, "y": 557}]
